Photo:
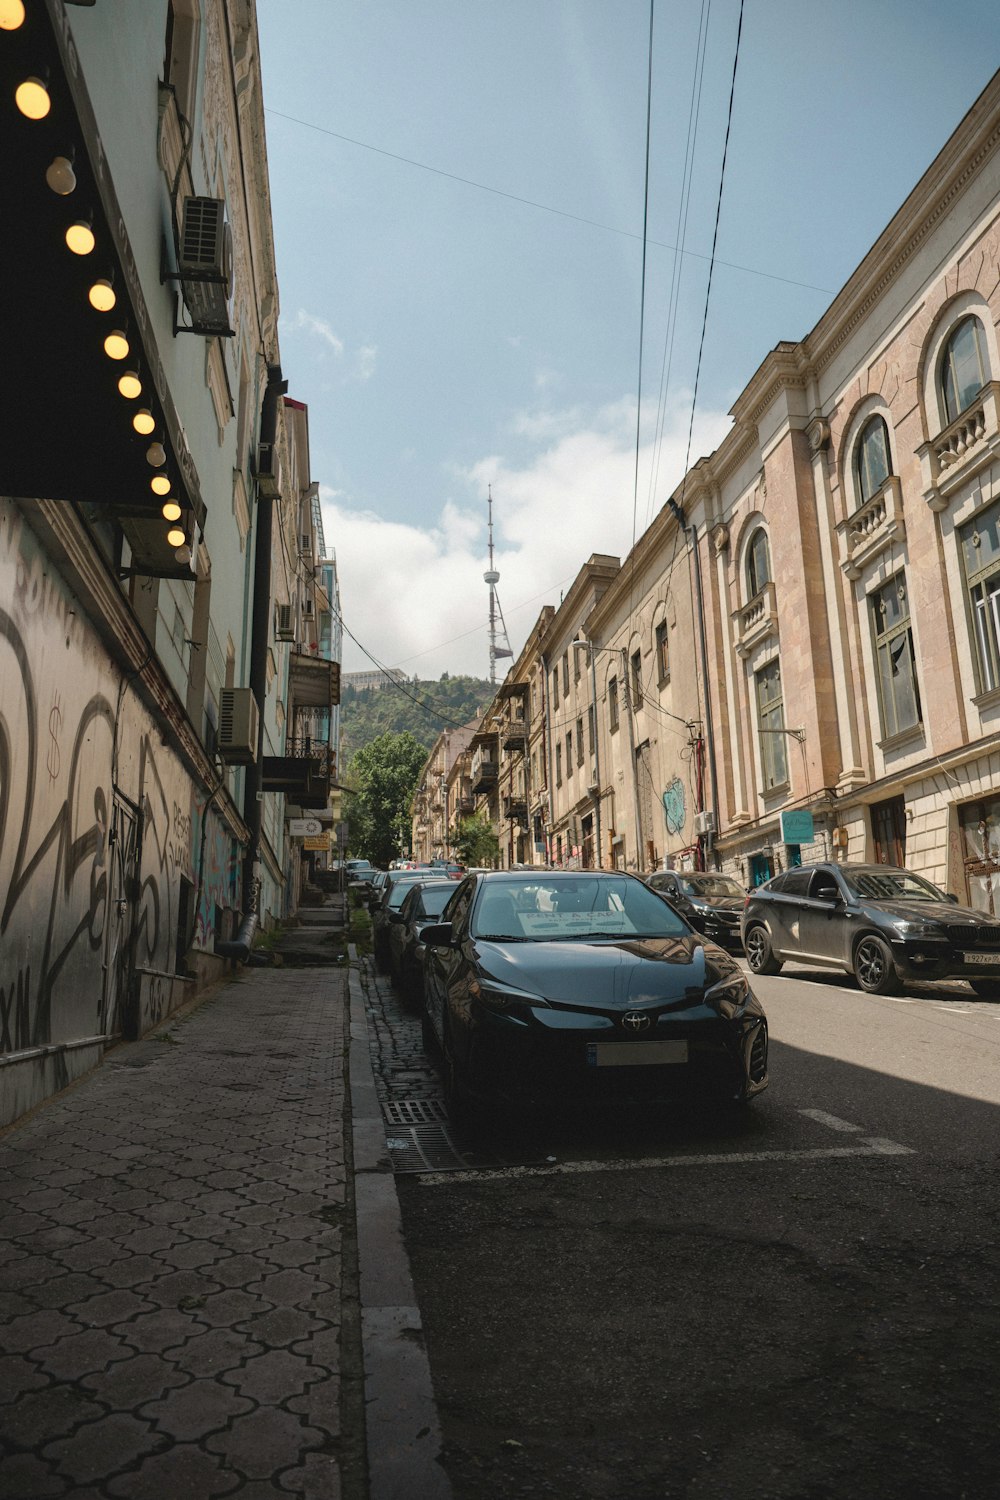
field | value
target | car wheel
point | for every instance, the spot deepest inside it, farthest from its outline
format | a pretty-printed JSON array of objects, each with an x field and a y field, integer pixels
[
  {"x": 760, "y": 954},
  {"x": 986, "y": 989},
  {"x": 873, "y": 966}
]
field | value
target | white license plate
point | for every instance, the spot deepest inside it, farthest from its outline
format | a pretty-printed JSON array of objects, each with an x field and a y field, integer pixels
[
  {"x": 635, "y": 1054},
  {"x": 981, "y": 958}
]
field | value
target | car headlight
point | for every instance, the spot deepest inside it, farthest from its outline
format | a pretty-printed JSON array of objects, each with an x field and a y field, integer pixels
[
  {"x": 501, "y": 997},
  {"x": 730, "y": 995},
  {"x": 918, "y": 929}
]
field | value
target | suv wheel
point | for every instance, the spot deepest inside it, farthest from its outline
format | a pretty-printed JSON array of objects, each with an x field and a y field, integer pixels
[
  {"x": 873, "y": 966},
  {"x": 760, "y": 955}
]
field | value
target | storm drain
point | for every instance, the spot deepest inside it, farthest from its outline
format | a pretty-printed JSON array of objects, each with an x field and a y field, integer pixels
[
  {"x": 423, "y": 1148},
  {"x": 414, "y": 1112}
]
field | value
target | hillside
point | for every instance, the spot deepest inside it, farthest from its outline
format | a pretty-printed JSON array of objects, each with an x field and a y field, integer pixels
[{"x": 366, "y": 715}]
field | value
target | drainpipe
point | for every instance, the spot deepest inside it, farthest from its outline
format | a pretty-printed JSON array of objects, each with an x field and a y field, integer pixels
[
  {"x": 254, "y": 781},
  {"x": 691, "y": 532}
]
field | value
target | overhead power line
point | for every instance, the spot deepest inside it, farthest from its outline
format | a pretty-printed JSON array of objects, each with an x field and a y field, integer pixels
[{"x": 546, "y": 208}]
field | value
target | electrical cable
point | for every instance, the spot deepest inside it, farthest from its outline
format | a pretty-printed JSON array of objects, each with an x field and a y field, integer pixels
[
  {"x": 642, "y": 290},
  {"x": 533, "y": 203}
]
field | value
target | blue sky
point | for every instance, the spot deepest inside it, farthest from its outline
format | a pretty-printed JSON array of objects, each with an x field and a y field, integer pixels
[{"x": 447, "y": 335}]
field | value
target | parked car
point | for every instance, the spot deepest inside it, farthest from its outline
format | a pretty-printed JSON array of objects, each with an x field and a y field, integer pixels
[
  {"x": 880, "y": 923},
  {"x": 374, "y": 894},
  {"x": 423, "y": 904},
  {"x": 584, "y": 985},
  {"x": 713, "y": 904},
  {"x": 393, "y": 890}
]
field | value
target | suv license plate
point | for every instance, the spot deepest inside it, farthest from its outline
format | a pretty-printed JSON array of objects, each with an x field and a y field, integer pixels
[
  {"x": 635, "y": 1054},
  {"x": 981, "y": 958}
]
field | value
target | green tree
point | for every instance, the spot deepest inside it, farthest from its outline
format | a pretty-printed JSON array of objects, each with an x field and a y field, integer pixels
[
  {"x": 476, "y": 843},
  {"x": 382, "y": 778}
]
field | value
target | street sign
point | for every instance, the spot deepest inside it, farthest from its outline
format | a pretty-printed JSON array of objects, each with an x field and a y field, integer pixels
[
  {"x": 320, "y": 841},
  {"x": 301, "y": 828}
]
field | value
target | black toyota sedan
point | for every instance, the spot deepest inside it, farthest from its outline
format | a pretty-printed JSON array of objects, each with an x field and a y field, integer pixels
[
  {"x": 550, "y": 986},
  {"x": 880, "y": 923},
  {"x": 711, "y": 903}
]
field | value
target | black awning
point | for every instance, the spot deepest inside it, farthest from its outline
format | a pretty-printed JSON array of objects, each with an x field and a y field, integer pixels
[{"x": 66, "y": 431}]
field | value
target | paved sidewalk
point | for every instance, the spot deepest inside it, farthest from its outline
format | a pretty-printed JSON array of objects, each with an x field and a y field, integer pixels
[{"x": 171, "y": 1261}]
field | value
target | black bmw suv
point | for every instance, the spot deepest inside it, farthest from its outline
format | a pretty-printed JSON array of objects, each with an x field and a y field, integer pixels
[
  {"x": 711, "y": 903},
  {"x": 879, "y": 923}
]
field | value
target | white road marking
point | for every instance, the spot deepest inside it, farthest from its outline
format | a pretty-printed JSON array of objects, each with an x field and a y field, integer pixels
[
  {"x": 831, "y": 1121},
  {"x": 869, "y": 1146}
]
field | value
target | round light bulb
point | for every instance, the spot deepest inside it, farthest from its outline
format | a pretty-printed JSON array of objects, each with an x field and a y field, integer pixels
[
  {"x": 102, "y": 295},
  {"x": 171, "y": 511},
  {"x": 143, "y": 421},
  {"x": 32, "y": 99},
  {"x": 176, "y": 536},
  {"x": 60, "y": 176},
  {"x": 116, "y": 344},
  {"x": 183, "y": 553},
  {"x": 160, "y": 484},
  {"x": 80, "y": 238},
  {"x": 11, "y": 14},
  {"x": 156, "y": 455},
  {"x": 130, "y": 386}
]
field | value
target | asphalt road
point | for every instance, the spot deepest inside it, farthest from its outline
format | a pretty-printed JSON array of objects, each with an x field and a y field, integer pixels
[{"x": 801, "y": 1304}]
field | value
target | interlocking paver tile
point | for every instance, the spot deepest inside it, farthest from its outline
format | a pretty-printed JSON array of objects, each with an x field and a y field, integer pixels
[
  {"x": 195, "y": 1410},
  {"x": 273, "y": 1377},
  {"x": 81, "y": 1354},
  {"x": 26, "y": 1477},
  {"x": 317, "y": 1479},
  {"x": 132, "y": 1270},
  {"x": 319, "y": 1403},
  {"x": 157, "y": 1331},
  {"x": 180, "y": 1471},
  {"x": 212, "y": 1353},
  {"x": 290, "y": 1288},
  {"x": 264, "y": 1441},
  {"x": 114, "y": 1442},
  {"x": 283, "y": 1325},
  {"x": 109, "y": 1308},
  {"x": 130, "y": 1382},
  {"x": 41, "y": 1416},
  {"x": 36, "y": 1328}
]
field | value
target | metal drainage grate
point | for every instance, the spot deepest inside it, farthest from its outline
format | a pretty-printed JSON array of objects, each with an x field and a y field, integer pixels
[
  {"x": 414, "y": 1112},
  {"x": 424, "y": 1148}
]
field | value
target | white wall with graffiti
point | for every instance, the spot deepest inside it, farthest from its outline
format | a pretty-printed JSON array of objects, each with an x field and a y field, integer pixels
[{"x": 114, "y": 868}]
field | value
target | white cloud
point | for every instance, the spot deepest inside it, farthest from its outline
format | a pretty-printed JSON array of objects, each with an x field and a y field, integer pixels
[
  {"x": 319, "y": 328},
  {"x": 415, "y": 595},
  {"x": 365, "y": 362}
]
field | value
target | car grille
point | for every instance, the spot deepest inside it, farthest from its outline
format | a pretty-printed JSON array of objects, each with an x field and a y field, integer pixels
[
  {"x": 974, "y": 937},
  {"x": 758, "y": 1056}
]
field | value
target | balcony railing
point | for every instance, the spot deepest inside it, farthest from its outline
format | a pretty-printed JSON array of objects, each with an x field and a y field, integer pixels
[
  {"x": 872, "y": 528},
  {"x": 484, "y": 771},
  {"x": 303, "y": 773},
  {"x": 963, "y": 447},
  {"x": 756, "y": 620}
]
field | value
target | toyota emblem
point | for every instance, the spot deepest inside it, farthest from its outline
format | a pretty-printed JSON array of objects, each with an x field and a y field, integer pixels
[{"x": 635, "y": 1020}]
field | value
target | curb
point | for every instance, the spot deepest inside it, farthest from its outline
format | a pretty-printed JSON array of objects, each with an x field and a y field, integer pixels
[{"x": 403, "y": 1431}]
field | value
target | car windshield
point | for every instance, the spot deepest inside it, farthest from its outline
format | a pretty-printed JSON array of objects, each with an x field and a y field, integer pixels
[
  {"x": 399, "y": 891},
  {"x": 545, "y": 908},
  {"x": 710, "y": 885},
  {"x": 890, "y": 885}
]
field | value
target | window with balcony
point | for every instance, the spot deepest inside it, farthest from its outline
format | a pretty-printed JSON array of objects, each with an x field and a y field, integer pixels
[
  {"x": 898, "y": 693},
  {"x": 771, "y": 724},
  {"x": 980, "y": 544},
  {"x": 872, "y": 460},
  {"x": 964, "y": 367},
  {"x": 613, "y": 704},
  {"x": 758, "y": 563},
  {"x": 662, "y": 647}
]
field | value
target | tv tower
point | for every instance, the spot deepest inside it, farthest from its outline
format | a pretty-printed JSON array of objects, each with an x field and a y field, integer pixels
[{"x": 492, "y": 577}]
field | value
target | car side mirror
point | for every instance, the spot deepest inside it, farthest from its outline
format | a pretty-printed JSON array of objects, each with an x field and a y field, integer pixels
[
  {"x": 952, "y": 897},
  {"x": 438, "y": 935}
]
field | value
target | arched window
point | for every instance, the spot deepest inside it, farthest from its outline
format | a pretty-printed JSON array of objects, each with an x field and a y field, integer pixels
[
  {"x": 872, "y": 460},
  {"x": 963, "y": 367},
  {"x": 758, "y": 563}
]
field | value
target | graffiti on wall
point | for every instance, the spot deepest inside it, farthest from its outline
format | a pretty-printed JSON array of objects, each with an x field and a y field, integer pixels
[{"x": 96, "y": 819}]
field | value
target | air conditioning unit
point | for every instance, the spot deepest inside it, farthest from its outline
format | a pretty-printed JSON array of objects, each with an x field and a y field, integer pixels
[
  {"x": 269, "y": 471},
  {"x": 205, "y": 263},
  {"x": 704, "y": 822},
  {"x": 305, "y": 546},
  {"x": 238, "y": 726},
  {"x": 286, "y": 625}
]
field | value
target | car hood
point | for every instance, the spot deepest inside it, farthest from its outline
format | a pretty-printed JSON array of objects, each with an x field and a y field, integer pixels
[
  {"x": 945, "y": 912},
  {"x": 721, "y": 903},
  {"x": 603, "y": 975}
]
